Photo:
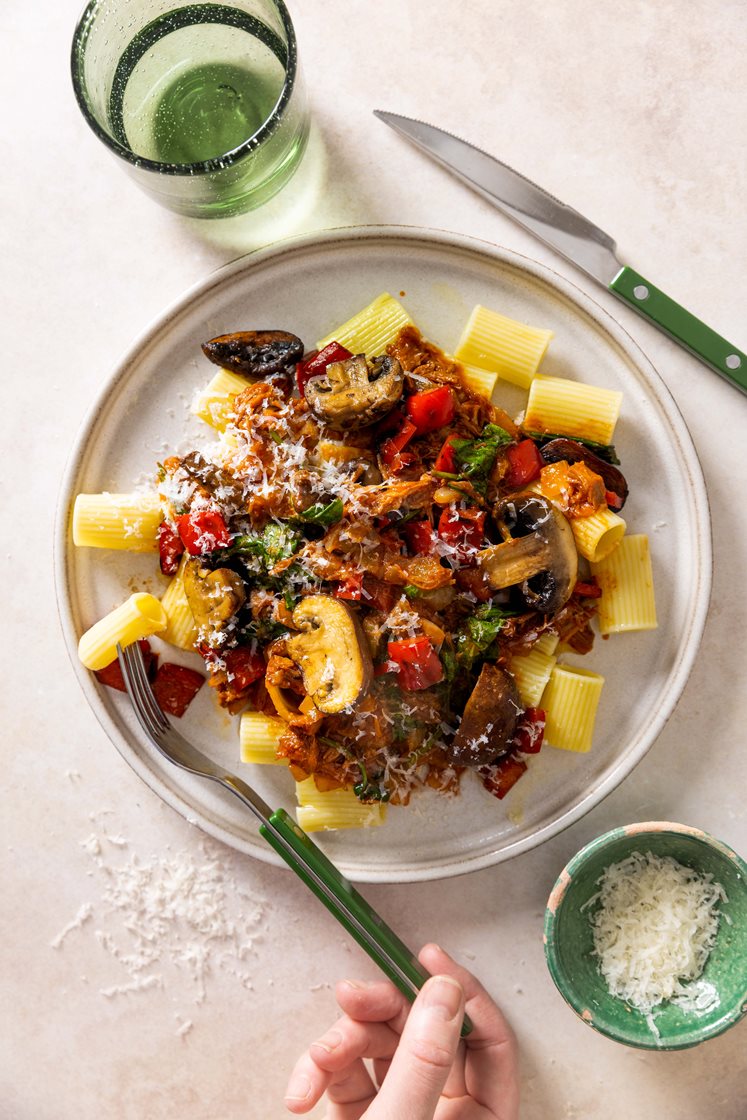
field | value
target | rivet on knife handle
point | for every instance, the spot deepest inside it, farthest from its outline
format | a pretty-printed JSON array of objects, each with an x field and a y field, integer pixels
[{"x": 683, "y": 327}]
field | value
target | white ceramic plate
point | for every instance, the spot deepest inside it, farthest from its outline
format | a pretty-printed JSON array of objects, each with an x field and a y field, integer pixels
[{"x": 308, "y": 286}]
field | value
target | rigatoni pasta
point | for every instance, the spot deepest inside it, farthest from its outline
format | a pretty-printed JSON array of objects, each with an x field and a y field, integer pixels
[
  {"x": 258, "y": 738},
  {"x": 599, "y": 534},
  {"x": 138, "y": 617},
  {"x": 481, "y": 381},
  {"x": 181, "y": 630},
  {"x": 334, "y": 809},
  {"x": 494, "y": 342},
  {"x": 572, "y": 408},
  {"x": 372, "y": 329},
  {"x": 119, "y": 521},
  {"x": 532, "y": 671},
  {"x": 214, "y": 404},
  {"x": 627, "y": 582},
  {"x": 570, "y": 702}
]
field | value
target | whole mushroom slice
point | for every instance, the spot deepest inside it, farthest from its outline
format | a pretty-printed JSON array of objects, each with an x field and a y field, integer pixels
[
  {"x": 254, "y": 353},
  {"x": 355, "y": 393},
  {"x": 537, "y": 556},
  {"x": 214, "y": 597},
  {"x": 331, "y": 651},
  {"x": 489, "y": 721}
]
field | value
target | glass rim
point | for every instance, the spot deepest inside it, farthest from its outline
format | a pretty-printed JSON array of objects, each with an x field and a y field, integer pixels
[{"x": 202, "y": 167}]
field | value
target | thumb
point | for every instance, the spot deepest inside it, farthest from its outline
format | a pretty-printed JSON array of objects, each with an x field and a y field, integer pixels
[{"x": 425, "y": 1054}]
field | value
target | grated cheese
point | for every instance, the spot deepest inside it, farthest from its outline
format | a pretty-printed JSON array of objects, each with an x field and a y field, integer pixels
[
  {"x": 165, "y": 915},
  {"x": 653, "y": 932}
]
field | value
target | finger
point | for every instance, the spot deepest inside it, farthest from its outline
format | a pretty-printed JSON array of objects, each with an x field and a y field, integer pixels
[
  {"x": 492, "y": 1065},
  {"x": 349, "y": 1040},
  {"x": 422, "y": 1061},
  {"x": 375, "y": 1002},
  {"x": 381, "y": 1069},
  {"x": 350, "y": 1093},
  {"x": 306, "y": 1085}
]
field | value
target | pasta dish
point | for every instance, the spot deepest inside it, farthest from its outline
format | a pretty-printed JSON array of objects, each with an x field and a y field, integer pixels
[{"x": 380, "y": 569}]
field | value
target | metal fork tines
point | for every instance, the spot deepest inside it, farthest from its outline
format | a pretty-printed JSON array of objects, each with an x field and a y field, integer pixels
[
  {"x": 151, "y": 717},
  {"x": 170, "y": 743}
]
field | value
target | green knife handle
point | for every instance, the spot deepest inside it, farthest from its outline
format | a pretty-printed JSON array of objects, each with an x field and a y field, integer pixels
[
  {"x": 680, "y": 325},
  {"x": 349, "y": 907}
]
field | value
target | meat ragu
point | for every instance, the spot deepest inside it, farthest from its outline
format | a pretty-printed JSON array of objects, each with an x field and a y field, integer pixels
[{"x": 368, "y": 551}]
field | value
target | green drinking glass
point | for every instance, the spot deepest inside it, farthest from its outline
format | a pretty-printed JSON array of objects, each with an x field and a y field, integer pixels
[{"x": 203, "y": 103}]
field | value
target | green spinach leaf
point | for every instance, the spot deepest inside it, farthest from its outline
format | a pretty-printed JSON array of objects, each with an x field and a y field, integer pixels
[
  {"x": 476, "y": 456},
  {"x": 321, "y": 514}
]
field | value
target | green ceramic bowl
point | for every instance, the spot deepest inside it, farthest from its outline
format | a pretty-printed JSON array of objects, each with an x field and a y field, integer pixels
[{"x": 569, "y": 943}]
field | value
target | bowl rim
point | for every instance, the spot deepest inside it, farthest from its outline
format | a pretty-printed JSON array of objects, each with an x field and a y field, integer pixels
[{"x": 687, "y": 1039}]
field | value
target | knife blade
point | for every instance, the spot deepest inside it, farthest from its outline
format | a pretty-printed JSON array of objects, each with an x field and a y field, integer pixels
[{"x": 573, "y": 236}]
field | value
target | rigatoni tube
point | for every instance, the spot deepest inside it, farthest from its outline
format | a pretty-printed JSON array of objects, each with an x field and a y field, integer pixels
[
  {"x": 120, "y": 521},
  {"x": 138, "y": 617}
]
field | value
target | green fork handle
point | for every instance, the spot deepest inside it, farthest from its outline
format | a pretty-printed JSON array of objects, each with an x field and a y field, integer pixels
[
  {"x": 680, "y": 325},
  {"x": 349, "y": 907}
]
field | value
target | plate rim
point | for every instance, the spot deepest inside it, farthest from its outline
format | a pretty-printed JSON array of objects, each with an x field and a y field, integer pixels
[{"x": 604, "y": 321}]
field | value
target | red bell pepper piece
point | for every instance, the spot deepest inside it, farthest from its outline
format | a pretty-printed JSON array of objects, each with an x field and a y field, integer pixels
[
  {"x": 243, "y": 666},
  {"x": 417, "y": 662},
  {"x": 530, "y": 731},
  {"x": 420, "y": 537},
  {"x": 175, "y": 687},
  {"x": 392, "y": 449},
  {"x": 587, "y": 590},
  {"x": 170, "y": 548},
  {"x": 111, "y": 674},
  {"x": 351, "y": 587},
  {"x": 385, "y": 667},
  {"x": 203, "y": 531},
  {"x": 446, "y": 458},
  {"x": 316, "y": 363},
  {"x": 464, "y": 529},
  {"x": 524, "y": 463},
  {"x": 499, "y": 778},
  {"x": 432, "y": 409}
]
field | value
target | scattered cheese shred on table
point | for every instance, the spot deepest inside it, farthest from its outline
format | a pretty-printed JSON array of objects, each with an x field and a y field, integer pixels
[{"x": 653, "y": 932}]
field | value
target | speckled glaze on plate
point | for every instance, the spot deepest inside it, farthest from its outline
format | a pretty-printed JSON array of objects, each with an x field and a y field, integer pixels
[
  {"x": 569, "y": 941},
  {"x": 308, "y": 286}
]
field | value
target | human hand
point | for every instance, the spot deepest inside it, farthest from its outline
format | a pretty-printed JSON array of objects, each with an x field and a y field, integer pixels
[{"x": 423, "y": 1069}]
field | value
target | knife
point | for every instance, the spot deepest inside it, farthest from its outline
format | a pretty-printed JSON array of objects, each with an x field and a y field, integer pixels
[{"x": 574, "y": 237}]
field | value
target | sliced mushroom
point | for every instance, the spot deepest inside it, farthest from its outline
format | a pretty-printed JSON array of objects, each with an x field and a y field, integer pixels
[
  {"x": 213, "y": 597},
  {"x": 353, "y": 394},
  {"x": 537, "y": 556},
  {"x": 254, "y": 353},
  {"x": 331, "y": 652},
  {"x": 489, "y": 721}
]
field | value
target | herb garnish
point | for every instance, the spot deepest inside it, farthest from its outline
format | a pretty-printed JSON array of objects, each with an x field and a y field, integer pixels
[
  {"x": 276, "y": 542},
  {"x": 324, "y": 514},
  {"x": 476, "y": 456},
  {"x": 370, "y": 788},
  {"x": 475, "y": 637}
]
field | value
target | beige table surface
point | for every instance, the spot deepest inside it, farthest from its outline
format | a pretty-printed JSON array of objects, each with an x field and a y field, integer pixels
[{"x": 635, "y": 114}]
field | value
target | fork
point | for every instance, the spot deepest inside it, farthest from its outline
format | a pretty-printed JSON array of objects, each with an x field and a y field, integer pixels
[{"x": 298, "y": 850}]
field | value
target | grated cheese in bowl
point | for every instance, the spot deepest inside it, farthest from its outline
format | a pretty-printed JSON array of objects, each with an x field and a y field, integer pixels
[{"x": 654, "y": 929}]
